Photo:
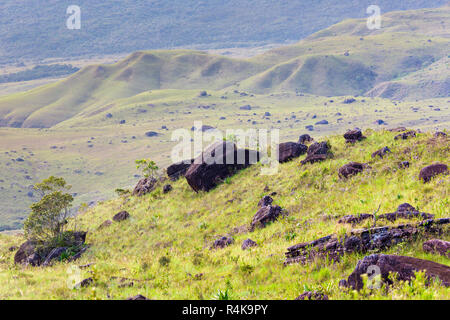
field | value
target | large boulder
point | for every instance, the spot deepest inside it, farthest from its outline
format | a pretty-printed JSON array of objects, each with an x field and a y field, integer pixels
[
  {"x": 381, "y": 152},
  {"x": 437, "y": 246},
  {"x": 404, "y": 267},
  {"x": 317, "y": 151},
  {"x": 54, "y": 255},
  {"x": 248, "y": 243},
  {"x": 290, "y": 150},
  {"x": 351, "y": 169},
  {"x": 217, "y": 162},
  {"x": 177, "y": 170},
  {"x": 427, "y": 173},
  {"x": 222, "y": 242},
  {"x": 145, "y": 186}
]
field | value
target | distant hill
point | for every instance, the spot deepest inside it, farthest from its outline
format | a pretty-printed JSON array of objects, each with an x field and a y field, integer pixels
[
  {"x": 345, "y": 59},
  {"x": 37, "y": 29}
]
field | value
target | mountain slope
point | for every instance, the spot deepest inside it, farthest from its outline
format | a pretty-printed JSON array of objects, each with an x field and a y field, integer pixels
[
  {"x": 37, "y": 30},
  {"x": 163, "y": 249}
]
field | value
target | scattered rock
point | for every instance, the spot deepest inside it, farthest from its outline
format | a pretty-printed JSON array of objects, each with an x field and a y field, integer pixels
[
  {"x": 85, "y": 283},
  {"x": 177, "y": 170},
  {"x": 290, "y": 150},
  {"x": 381, "y": 153},
  {"x": 309, "y": 128},
  {"x": 145, "y": 186},
  {"x": 351, "y": 169},
  {"x": 317, "y": 152},
  {"x": 248, "y": 243},
  {"x": 265, "y": 201},
  {"x": 121, "y": 216},
  {"x": 378, "y": 238},
  {"x": 353, "y": 136},
  {"x": 167, "y": 188},
  {"x": 222, "y": 242},
  {"x": 403, "y": 165},
  {"x": 437, "y": 246},
  {"x": 305, "y": 138},
  {"x": 265, "y": 215},
  {"x": 217, "y": 162},
  {"x": 403, "y": 266},
  {"x": 308, "y": 295},
  {"x": 349, "y": 100},
  {"x": 246, "y": 107},
  {"x": 398, "y": 129},
  {"x": 440, "y": 134},
  {"x": 427, "y": 173},
  {"x": 152, "y": 134},
  {"x": 355, "y": 219},
  {"x": 321, "y": 122},
  {"x": 13, "y": 248},
  {"x": 405, "y": 135},
  {"x": 138, "y": 297}
]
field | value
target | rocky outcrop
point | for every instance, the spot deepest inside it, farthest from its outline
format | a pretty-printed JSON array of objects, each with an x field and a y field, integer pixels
[
  {"x": 121, "y": 216},
  {"x": 25, "y": 250},
  {"x": 378, "y": 238},
  {"x": 437, "y": 246},
  {"x": 353, "y": 136},
  {"x": 217, "y": 162},
  {"x": 290, "y": 150},
  {"x": 429, "y": 172},
  {"x": 178, "y": 170},
  {"x": 317, "y": 152},
  {"x": 403, "y": 267},
  {"x": 351, "y": 169},
  {"x": 145, "y": 186}
]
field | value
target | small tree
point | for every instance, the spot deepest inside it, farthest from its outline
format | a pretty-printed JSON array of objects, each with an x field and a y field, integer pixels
[
  {"x": 148, "y": 167},
  {"x": 48, "y": 217}
]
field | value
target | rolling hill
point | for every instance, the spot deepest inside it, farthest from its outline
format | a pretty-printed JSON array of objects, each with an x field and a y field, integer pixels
[
  {"x": 36, "y": 30},
  {"x": 345, "y": 59}
]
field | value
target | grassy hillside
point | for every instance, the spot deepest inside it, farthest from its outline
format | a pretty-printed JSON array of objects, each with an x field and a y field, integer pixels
[
  {"x": 163, "y": 247},
  {"x": 126, "y": 26}
]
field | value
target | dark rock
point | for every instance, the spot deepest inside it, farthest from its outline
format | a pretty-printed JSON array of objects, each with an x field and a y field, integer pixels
[
  {"x": 381, "y": 153},
  {"x": 354, "y": 219},
  {"x": 317, "y": 152},
  {"x": 405, "y": 135},
  {"x": 351, "y": 169},
  {"x": 308, "y": 295},
  {"x": 398, "y": 129},
  {"x": 177, "y": 170},
  {"x": 378, "y": 238},
  {"x": 222, "y": 242},
  {"x": 167, "y": 188},
  {"x": 440, "y": 134},
  {"x": 349, "y": 100},
  {"x": 403, "y": 266},
  {"x": 137, "y": 298},
  {"x": 321, "y": 122},
  {"x": 151, "y": 134},
  {"x": 427, "y": 173},
  {"x": 304, "y": 138},
  {"x": 343, "y": 283},
  {"x": 85, "y": 283},
  {"x": 267, "y": 114},
  {"x": 33, "y": 260},
  {"x": 437, "y": 246},
  {"x": 309, "y": 128},
  {"x": 25, "y": 250},
  {"x": 122, "y": 122},
  {"x": 380, "y": 122},
  {"x": 53, "y": 255},
  {"x": 217, "y": 162},
  {"x": 13, "y": 248},
  {"x": 109, "y": 115},
  {"x": 403, "y": 165},
  {"x": 246, "y": 107},
  {"x": 145, "y": 186},
  {"x": 352, "y": 136},
  {"x": 248, "y": 243},
  {"x": 265, "y": 215},
  {"x": 121, "y": 216},
  {"x": 265, "y": 201},
  {"x": 290, "y": 150},
  {"x": 203, "y": 94}
]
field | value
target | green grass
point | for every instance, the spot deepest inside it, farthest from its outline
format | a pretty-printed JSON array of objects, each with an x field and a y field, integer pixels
[{"x": 164, "y": 245}]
